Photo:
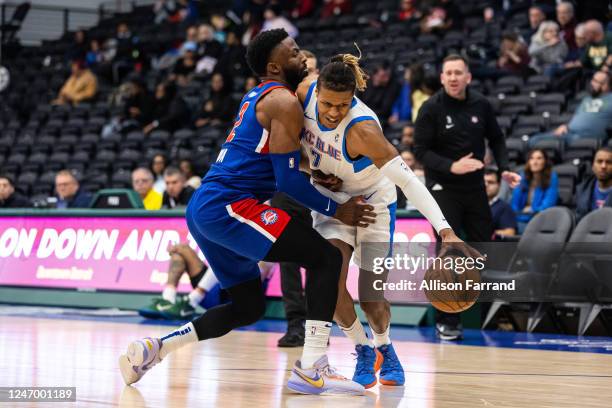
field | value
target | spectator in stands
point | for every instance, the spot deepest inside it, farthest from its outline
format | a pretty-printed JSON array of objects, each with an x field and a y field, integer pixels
[
  {"x": 407, "y": 140},
  {"x": 402, "y": 107},
  {"x": 142, "y": 183},
  {"x": 125, "y": 46},
  {"x": 422, "y": 88},
  {"x": 513, "y": 56},
  {"x": 547, "y": 49},
  {"x": 193, "y": 180},
  {"x": 220, "y": 107},
  {"x": 191, "y": 34},
  {"x": 417, "y": 169},
  {"x": 158, "y": 166},
  {"x": 250, "y": 83},
  {"x": 233, "y": 61},
  {"x": 538, "y": 190},
  {"x": 598, "y": 51},
  {"x": 382, "y": 91},
  {"x": 594, "y": 191},
  {"x": 9, "y": 198},
  {"x": 169, "y": 108},
  {"x": 94, "y": 56},
  {"x": 274, "y": 19},
  {"x": 178, "y": 193},
  {"x": 79, "y": 87},
  {"x": 504, "y": 218},
  {"x": 207, "y": 45},
  {"x": 592, "y": 117},
  {"x": 443, "y": 15},
  {"x": 78, "y": 49},
  {"x": 138, "y": 106},
  {"x": 408, "y": 11},
  {"x": 167, "y": 11},
  {"x": 219, "y": 24},
  {"x": 69, "y": 192},
  {"x": 567, "y": 23},
  {"x": 302, "y": 8},
  {"x": 335, "y": 8},
  {"x": 536, "y": 17},
  {"x": 185, "y": 66},
  {"x": 311, "y": 62}
]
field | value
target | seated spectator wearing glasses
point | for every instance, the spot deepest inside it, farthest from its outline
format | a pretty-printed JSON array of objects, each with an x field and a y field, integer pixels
[
  {"x": 69, "y": 192},
  {"x": 592, "y": 117},
  {"x": 504, "y": 218},
  {"x": 178, "y": 193},
  {"x": 9, "y": 198},
  {"x": 142, "y": 183},
  {"x": 594, "y": 191},
  {"x": 538, "y": 190}
]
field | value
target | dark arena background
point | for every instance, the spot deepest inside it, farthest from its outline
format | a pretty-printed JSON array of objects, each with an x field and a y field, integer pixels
[{"x": 113, "y": 112}]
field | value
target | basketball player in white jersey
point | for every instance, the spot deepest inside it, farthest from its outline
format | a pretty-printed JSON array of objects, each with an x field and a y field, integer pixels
[{"x": 342, "y": 137}]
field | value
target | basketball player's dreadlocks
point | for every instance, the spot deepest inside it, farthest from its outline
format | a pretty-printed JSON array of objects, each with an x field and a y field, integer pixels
[{"x": 343, "y": 73}]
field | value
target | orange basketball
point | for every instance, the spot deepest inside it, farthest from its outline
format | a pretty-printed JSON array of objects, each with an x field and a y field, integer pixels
[{"x": 451, "y": 284}]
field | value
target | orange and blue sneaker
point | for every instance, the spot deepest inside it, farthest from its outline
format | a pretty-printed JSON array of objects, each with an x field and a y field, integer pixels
[
  {"x": 321, "y": 379},
  {"x": 369, "y": 361},
  {"x": 141, "y": 356},
  {"x": 391, "y": 371}
]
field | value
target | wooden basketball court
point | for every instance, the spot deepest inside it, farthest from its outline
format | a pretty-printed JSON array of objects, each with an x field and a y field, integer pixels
[{"x": 246, "y": 369}]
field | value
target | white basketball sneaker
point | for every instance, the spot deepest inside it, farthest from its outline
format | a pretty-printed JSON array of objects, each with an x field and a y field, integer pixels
[
  {"x": 141, "y": 356},
  {"x": 321, "y": 379}
]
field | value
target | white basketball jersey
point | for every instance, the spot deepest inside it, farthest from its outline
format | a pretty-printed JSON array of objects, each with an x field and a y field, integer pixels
[{"x": 326, "y": 150}]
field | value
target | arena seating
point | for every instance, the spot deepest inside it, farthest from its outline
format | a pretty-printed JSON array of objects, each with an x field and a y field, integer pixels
[{"x": 50, "y": 138}]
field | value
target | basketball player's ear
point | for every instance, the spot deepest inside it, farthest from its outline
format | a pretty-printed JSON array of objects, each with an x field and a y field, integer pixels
[{"x": 273, "y": 68}]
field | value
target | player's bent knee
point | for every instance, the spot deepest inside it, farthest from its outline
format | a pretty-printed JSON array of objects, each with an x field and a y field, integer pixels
[{"x": 252, "y": 312}]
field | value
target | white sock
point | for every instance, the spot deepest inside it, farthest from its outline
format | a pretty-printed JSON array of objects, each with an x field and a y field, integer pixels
[
  {"x": 315, "y": 342},
  {"x": 169, "y": 294},
  {"x": 195, "y": 297},
  {"x": 175, "y": 340},
  {"x": 382, "y": 338},
  {"x": 357, "y": 334}
]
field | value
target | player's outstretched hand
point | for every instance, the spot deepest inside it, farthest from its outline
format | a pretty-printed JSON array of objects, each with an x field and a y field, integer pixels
[
  {"x": 356, "y": 212},
  {"x": 329, "y": 181},
  {"x": 452, "y": 243}
]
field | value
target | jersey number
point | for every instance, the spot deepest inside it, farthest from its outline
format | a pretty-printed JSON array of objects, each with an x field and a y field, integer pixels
[
  {"x": 243, "y": 109},
  {"x": 317, "y": 158}
]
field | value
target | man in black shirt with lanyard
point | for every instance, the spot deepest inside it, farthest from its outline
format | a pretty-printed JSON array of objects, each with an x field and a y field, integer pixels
[{"x": 450, "y": 134}]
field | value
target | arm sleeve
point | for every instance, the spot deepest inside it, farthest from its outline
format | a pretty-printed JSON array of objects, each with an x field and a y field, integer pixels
[
  {"x": 424, "y": 134},
  {"x": 497, "y": 143},
  {"x": 289, "y": 180},
  {"x": 415, "y": 191}
]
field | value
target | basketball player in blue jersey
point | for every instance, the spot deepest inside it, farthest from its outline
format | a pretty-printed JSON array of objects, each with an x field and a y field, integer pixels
[
  {"x": 343, "y": 139},
  {"x": 235, "y": 230}
]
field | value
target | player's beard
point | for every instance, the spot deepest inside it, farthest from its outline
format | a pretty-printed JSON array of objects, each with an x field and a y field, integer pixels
[{"x": 295, "y": 77}]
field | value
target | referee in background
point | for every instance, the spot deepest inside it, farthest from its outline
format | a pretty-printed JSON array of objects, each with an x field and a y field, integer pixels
[{"x": 449, "y": 135}]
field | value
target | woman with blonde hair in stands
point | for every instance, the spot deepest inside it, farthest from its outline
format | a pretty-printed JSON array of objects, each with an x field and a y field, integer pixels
[{"x": 547, "y": 49}]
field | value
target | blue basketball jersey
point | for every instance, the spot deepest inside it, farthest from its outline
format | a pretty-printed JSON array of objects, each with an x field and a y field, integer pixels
[{"x": 243, "y": 164}]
